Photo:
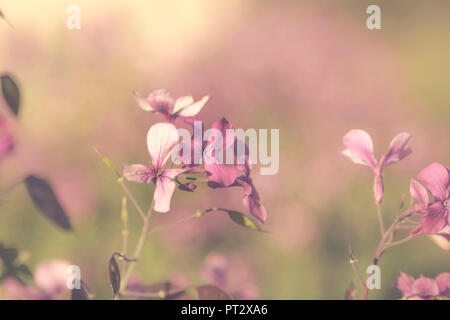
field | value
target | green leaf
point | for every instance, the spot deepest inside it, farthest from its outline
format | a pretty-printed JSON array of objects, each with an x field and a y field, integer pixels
[
  {"x": 212, "y": 292},
  {"x": 243, "y": 220},
  {"x": 11, "y": 93},
  {"x": 46, "y": 201},
  {"x": 114, "y": 275},
  {"x": 9, "y": 267}
]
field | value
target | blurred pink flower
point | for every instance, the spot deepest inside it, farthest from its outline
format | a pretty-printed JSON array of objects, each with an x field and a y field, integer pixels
[
  {"x": 423, "y": 288},
  {"x": 161, "y": 140},
  {"x": 160, "y": 101},
  {"x": 436, "y": 179},
  {"x": 6, "y": 138},
  {"x": 50, "y": 281},
  {"x": 218, "y": 271},
  {"x": 215, "y": 270},
  {"x": 360, "y": 150}
]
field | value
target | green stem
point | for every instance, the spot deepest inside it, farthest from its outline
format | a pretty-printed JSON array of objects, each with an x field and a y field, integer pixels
[{"x": 139, "y": 246}]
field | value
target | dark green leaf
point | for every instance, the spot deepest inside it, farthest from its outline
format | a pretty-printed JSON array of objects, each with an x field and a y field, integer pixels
[
  {"x": 9, "y": 267},
  {"x": 212, "y": 292},
  {"x": 11, "y": 93},
  {"x": 45, "y": 200},
  {"x": 114, "y": 275}
]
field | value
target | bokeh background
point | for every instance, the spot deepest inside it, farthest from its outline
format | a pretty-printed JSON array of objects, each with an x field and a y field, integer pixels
[{"x": 310, "y": 68}]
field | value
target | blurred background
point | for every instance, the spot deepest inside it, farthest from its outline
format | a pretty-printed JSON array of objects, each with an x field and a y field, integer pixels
[{"x": 310, "y": 68}]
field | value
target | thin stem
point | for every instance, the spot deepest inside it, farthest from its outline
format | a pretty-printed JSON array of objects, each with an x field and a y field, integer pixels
[
  {"x": 383, "y": 245},
  {"x": 131, "y": 197},
  {"x": 358, "y": 276},
  {"x": 380, "y": 219},
  {"x": 175, "y": 223},
  {"x": 139, "y": 246},
  {"x": 10, "y": 188},
  {"x": 394, "y": 243}
]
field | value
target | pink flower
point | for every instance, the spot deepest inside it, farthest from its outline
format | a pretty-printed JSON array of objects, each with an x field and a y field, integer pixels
[
  {"x": 161, "y": 101},
  {"x": 423, "y": 288},
  {"x": 50, "y": 278},
  {"x": 161, "y": 140},
  {"x": 436, "y": 179},
  {"x": 215, "y": 270},
  {"x": 226, "y": 175},
  {"x": 360, "y": 150},
  {"x": 230, "y": 276},
  {"x": 221, "y": 174},
  {"x": 6, "y": 138}
]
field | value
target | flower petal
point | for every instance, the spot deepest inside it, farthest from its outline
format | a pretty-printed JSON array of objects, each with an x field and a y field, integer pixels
[
  {"x": 192, "y": 109},
  {"x": 251, "y": 199},
  {"x": 138, "y": 173},
  {"x": 142, "y": 102},
  {"x": 397, "y": 151},
  {"x": 425, "y": 287},
  {"x": 435, "y": 177},
  {"x": 443, "y": 282},
  {"x": 51, "y": 276},
  {"x": 418, "y": 192},
  {"x": 165, "y": 187},
  {"x": 161, "y": 139},
  {"x": 359, "y": 148},
  {"x": 160, "y": 101},
  {"x": 223, "y": 174},
  {"x": 181, "y": 103},
  {"x": 404, "y": 284},
  {"x": 435, "y": 219}
]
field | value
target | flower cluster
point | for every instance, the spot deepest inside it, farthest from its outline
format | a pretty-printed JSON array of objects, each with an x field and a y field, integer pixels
[
  {"x": 424, "y": 288},
  {"x": 162, "y": 138},
  {"x": 435, "y": 212}
]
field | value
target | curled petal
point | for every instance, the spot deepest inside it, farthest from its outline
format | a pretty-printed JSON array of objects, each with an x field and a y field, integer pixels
[
  {"x": 418, "y": 192},
  {"x": 397, "y": 151},
  {"x": 161, "y": 139},
  {"x": 359, "y": 148},
  {"x": 138, "y": 173},
  {"x": 251, "y": 199},
  {"x": 435, "y": 219},
  {"x": 435, "y": 177}
]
